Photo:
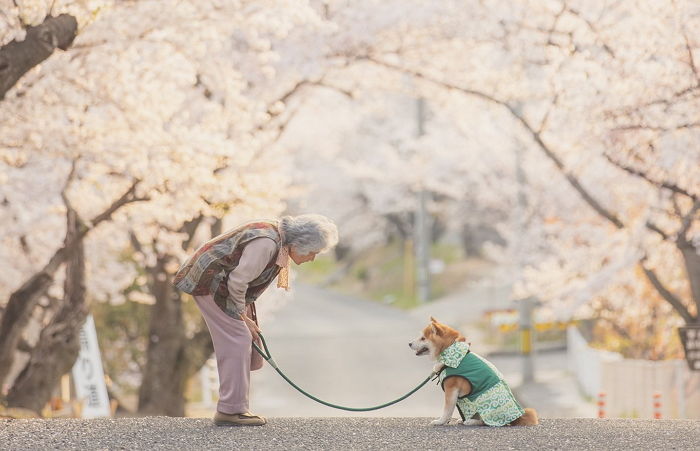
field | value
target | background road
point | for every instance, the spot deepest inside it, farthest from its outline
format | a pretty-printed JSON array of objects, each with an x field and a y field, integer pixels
[
  {"x": 355, "y": 353},
  {"x": 153, "y": 433},
  {"x": 345, "y": 351}
]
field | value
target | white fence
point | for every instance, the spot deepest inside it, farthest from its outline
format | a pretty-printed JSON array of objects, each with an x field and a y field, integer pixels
[
  {"x": 586, "y": 363},
  {"x": 629, "y": 385}
]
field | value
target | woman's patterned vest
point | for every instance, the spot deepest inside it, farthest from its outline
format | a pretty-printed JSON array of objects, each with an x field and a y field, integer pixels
[{"x": 206, "y": 272}]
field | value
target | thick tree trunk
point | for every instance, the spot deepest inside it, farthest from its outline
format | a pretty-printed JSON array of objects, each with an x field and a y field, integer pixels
[
  {"x": 23, "y": 301},
  {"x": 20, "y": 306},
  {"x": 58, "y": 345},
  {"x": 172, "y": 358},
  {"x": 692, "y": 267},
  {"x": 165, "y": 374},
  {"x": 199, "y": 350},
  {"x": 18, "y": 57}
]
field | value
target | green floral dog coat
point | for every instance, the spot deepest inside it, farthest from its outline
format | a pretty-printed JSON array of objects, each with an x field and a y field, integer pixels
[{"x": 490, "y": 397}]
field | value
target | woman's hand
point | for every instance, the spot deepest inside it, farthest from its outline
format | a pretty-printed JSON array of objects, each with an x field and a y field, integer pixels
[{"x": 252, "y": 327}]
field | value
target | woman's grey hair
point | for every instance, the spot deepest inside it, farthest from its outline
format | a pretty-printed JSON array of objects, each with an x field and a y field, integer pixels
[{"x": 309, "y": 233}]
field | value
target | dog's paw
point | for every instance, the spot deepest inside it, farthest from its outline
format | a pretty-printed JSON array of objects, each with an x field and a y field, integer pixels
[
  {"x": 473, "y": 423},
  {"x": 438, "y": 422}
]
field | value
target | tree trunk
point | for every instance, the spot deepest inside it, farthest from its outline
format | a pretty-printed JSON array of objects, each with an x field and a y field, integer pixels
[
  {"x": 165, "y": 374},
  {"x": 172, "y": 358},
  {"x": 199, "y": 350},
  {"x": 20, "y": 306},
  {"x": 18, "y": 57},
  {"x": 691, "y": 258},
  {"x": 23, "y": 301},
  {"x": 58, "y": 345}
]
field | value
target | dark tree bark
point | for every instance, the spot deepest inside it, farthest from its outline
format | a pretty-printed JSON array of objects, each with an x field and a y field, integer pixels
[
  {"x": 172, "y": 358},
  {"x": 20, "y": 306},
  {"x": 691, "y": 259},
  {"x": 58, "y": 345},
  {"x": 199, "y": 350},
  {"x": 18, "y": 57},
  {"x": 402, "y": 223},
  {"x": 164, "y": 377},
  {"x": 23, "y": 301}
]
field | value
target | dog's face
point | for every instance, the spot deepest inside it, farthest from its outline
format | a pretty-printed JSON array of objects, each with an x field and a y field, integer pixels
[{"x": 434, "y": 339}]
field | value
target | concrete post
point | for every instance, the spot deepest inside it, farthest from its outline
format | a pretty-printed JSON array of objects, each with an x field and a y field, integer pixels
[
  {"x": 422, "y": 223},
  {"x": 527, "y": 307}
]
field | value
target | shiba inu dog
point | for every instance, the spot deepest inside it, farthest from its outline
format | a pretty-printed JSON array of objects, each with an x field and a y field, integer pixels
[{"x": 470, "y": 382}]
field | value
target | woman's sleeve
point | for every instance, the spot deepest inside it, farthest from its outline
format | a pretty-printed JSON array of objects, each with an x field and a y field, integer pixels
[{"x": 255, "y": 257}]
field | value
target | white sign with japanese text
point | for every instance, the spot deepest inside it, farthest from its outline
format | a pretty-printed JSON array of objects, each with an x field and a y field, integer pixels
[
  {"x": 88, "y": 375},
  {"x": 690, "y": 337}
]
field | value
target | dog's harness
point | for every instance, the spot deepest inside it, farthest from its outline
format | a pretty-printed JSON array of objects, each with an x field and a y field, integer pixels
[{"x": 490, "y": 395}]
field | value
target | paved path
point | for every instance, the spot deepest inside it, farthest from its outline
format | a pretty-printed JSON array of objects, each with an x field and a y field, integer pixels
[
  {"x": 156, "y": 433},
  {"x": 345, "y": 351},
  {"x": 355, "y": 352}
]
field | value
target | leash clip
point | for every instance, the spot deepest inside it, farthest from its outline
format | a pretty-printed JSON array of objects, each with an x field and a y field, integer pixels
[{"x": 436, "y": 375}]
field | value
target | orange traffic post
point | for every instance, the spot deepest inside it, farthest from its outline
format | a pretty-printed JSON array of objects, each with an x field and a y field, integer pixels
[
  {"x": 601, "y": 405},
  {"x": 657, "y": 406}
]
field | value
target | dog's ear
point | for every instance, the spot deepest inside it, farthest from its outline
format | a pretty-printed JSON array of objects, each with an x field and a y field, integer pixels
[
  {"x": 436, "y": 328},
  {"x": 433, "y": 320}
]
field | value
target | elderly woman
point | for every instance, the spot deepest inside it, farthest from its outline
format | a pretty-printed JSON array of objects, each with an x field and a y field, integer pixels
[{"x": 226, "y": 275}]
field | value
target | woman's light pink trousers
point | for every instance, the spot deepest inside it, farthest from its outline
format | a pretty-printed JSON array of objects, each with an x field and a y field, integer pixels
[{"x": 234, "y": 353}]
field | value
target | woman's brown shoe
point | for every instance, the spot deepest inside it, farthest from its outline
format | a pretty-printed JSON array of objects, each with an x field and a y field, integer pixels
[{"x": 238, "y": 419}]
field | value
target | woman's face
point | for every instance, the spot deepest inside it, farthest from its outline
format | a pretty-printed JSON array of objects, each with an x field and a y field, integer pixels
[{"x": 299, "y": 259}]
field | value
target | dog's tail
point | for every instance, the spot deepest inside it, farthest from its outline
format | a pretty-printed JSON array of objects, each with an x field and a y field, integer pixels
[{"x": 529, "y": 418}]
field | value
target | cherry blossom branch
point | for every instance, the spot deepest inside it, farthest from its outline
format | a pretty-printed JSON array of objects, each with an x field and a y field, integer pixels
[
  {"x": 190, "y": 227},
  {"x": 656, "y": 128},
  {"x": 18, "y": 57},
  {"x": 643, "y": 175},
  {"x": 653, "y": 227},
  {"x": 128, "y": 197},
  {"x": 667, "y": 295},
  {"x": 674, "y": 97},
  {"x": 135, "y": 243},
  {"x": 536, "y": 136},
  {"x": 619, "y": 329},
  {"x": 64, "y": 195},
  {"x": 592, "y": 27},
  {"x": 687, "y": 222},
  {"x": 545, "y": 119},
  {"x": 272, "y": 111},
  {"x": 691, "y": 60},
  {"x": 688, "y": 49}
]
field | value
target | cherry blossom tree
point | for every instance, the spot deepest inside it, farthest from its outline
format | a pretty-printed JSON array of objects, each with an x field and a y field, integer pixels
[
  {"x": 573, "y": 123},
  {"x": 150, "y": 94},
  {"x": 30, "y": 31},
  {"x": 610, "y": 110}
]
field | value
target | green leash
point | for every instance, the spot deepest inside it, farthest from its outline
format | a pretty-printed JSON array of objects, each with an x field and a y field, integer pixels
[{"x": 267, "y": 356}]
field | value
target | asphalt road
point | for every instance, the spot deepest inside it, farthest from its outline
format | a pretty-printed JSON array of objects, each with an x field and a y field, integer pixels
[
  {"x": 345, "y": 351},
  {"x": 153, "y": 433},
  {"x": 355, "y": 353}
]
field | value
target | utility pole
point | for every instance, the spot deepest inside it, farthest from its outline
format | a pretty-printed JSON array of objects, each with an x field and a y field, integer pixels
[
  {"x": 422, "y": 221},
  {"x": 526, "y": 306}
]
